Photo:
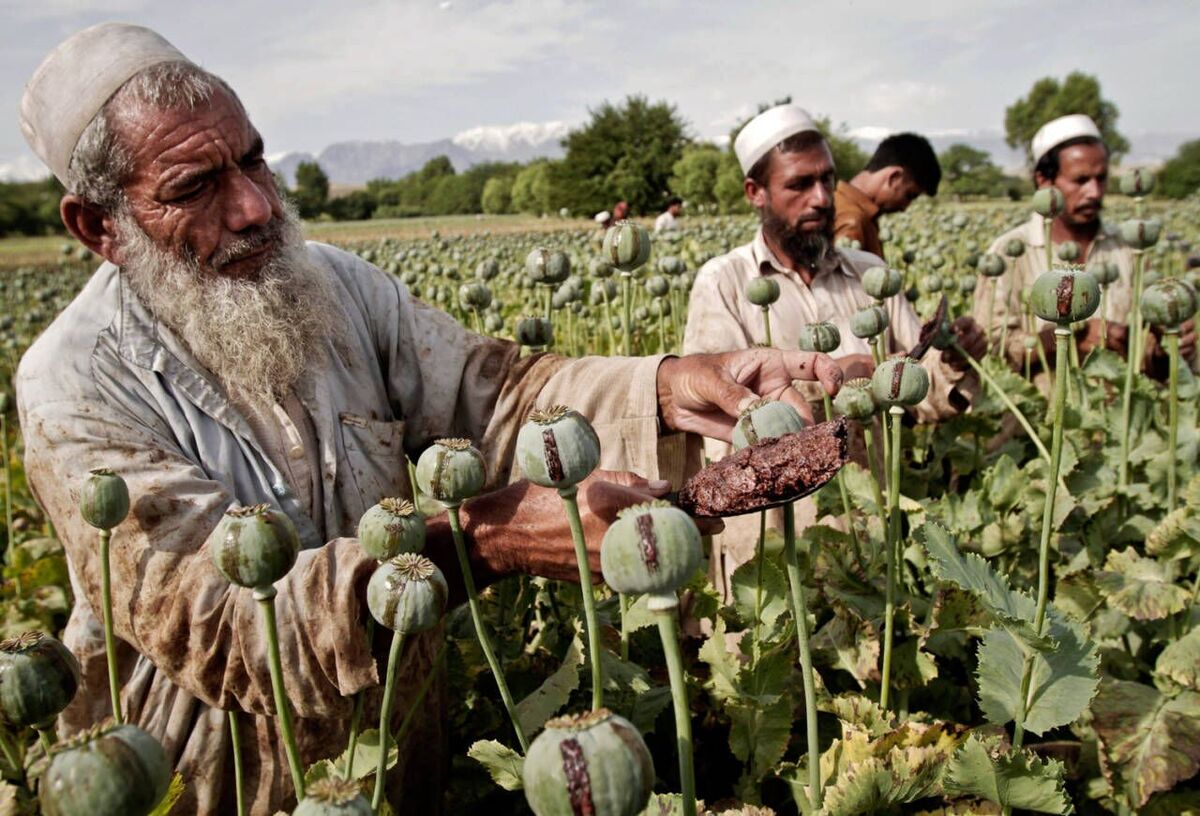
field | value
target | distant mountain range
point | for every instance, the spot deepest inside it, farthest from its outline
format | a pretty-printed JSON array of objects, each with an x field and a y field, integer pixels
[
  {"x": 357, "y": 162},
  {"x": 354, "y": 163}
]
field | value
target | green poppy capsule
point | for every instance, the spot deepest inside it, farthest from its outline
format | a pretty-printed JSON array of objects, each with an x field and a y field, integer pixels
[
  {"x": 627, "y": 245},
  {"x": 451, "y": 471},
  {"x": 966, "y": 285},
  {"x": 557, "y": 447},
  {"x": 1105, "y": 272},
  {"x": 334, "y": 796},
  {"x": 899, "y": 381},
  {"x": 1137, "y": 182},
  {"x": 547, "y": 267},
  {"x": 391, "y": 527},
  {"x": 1168, "y": 303},
  {"x": 104, "y": 499},
  {"x": 493, "y": 323},
  {"x": 822, "y": 337},
  {"x": 1014, "y": 247},
  {"x": 762, "y": 291},
  {"x": 112, "y": 770},
  {"x": 657, "y": 285},
  {"x": 650, "y": 548},
  {"x": 880, "y": 282},
  {"x": 534, "y": 331},
  {"x": 475, "y": 295},
  {"x": 254, "y": 546},
  {"x": 869, "y": 322},
  {"x": 38, "y": 679},
  {"x": 855, "y": 399},
  {"x": 486, "y": 270},
  {"x": 1065, "y": 296},
  {"x": 932, "y": 283},
  {"x": 1068, "y": 251},
  {"x": 595, "y": 764},
  {"x": 407, "y": 594},
  {"x": 600, "y": 268},
  {"x": 765, "y": 419},
  {"x": 1048, "y": 202},
  {"x": 1141, "y": 233}
]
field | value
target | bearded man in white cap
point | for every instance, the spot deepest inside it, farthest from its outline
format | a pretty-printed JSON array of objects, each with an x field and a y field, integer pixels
[
  {"x": 789, "y": 180},
  {"x": 216, "y": 359},
  {"x": 1068, "y": 153}
]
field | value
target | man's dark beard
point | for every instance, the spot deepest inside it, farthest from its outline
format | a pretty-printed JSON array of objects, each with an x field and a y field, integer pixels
[{"x": 806, "y": 249}]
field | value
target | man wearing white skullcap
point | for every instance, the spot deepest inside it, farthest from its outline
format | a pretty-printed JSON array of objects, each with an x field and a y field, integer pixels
[
  {"x": 216, "y": 359},
  {"x": 789, "y": 179},
  {"x": 1068, "y": 153}
]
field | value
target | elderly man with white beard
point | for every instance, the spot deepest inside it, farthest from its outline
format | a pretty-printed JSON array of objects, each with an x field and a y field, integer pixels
[{"x": 216, "y": 359}]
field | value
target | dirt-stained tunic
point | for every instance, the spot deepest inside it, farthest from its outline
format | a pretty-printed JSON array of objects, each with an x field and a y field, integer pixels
[{"x": 107, "y": 386}]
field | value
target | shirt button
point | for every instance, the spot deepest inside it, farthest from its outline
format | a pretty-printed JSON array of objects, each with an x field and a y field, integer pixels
[{"x": 296, "y": 452}]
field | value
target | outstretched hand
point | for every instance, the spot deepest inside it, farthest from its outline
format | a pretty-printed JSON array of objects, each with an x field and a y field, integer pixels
[{"x": 705, "y": 393}]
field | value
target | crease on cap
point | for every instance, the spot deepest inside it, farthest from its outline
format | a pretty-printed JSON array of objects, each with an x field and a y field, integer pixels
[
  {"x": 74, "y": 81},
  {"x": 768, "y": 129},
  {"x": 1062, "y": 129}
]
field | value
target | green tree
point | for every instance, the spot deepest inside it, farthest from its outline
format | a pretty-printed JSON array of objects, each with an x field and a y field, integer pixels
[
  {"x": 1048, "y": 99},
  {"x": 625, "y": 151},
  {"x": 694, "y": 176},
  {"x": 1180, "y": 176},
  {"x": 497, "y": 195},
  {"x": 969, "y": 171},
  {"x": 729, "y": 189},
  {"x": 531, "y": 189},
  {"x": 358, "y": 205},
  {"x": 312, "y": 189}
]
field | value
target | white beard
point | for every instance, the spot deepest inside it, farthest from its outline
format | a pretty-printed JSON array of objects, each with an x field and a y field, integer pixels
[{"x": 256, "y": 335}]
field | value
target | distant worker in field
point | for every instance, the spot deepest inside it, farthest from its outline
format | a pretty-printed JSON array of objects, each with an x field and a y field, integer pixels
[
  {"x": 789, "y": 179},
  {"x": 668, "y": 219},
  {"x": 904, "y": 166},
  {"x": 1068, "y": 153},
  {"x": 217, "y": 359}
]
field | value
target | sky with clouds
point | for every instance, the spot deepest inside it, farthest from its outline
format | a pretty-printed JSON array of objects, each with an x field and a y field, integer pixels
[{"x": 314, "y": 72}]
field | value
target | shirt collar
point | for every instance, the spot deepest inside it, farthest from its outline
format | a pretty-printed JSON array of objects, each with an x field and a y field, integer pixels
[
  {"x": 765, "y": 260},
  {"x": 859, "y": 199}
]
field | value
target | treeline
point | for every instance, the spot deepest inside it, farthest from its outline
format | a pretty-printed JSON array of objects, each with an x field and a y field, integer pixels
[{"x": 30, "y": 208}]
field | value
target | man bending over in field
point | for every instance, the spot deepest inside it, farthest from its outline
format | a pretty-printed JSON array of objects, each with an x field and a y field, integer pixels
[
  {"x": 1069, "y": 154},
  {"x": 217, "y": 359},
  {"x": 789, "y": 180}
]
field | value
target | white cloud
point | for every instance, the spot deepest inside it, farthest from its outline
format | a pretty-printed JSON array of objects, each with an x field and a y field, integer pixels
[
  {"x": 502, "y": 138},
  {"x": 23, "y": 168},
  {"x": 902, "y": 97}
]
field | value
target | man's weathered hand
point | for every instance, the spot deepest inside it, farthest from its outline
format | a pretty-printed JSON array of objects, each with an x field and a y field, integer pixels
[
  {"x": 522, "y": 528},
  {"x": 970, "y": 337},
  {"x": 704, "y": 393}
]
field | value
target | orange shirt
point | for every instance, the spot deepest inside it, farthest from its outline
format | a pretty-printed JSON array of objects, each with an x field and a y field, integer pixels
[{"x": 855, "y": 216}]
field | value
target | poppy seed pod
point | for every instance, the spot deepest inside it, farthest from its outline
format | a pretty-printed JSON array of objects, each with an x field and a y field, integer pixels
[
  {"x": 627, "y": 245},
  {"x": 932, "y": 283},
  {"x": 486, "y": 270},
  {"x": 1141, "y": 233},
  {"x": 880, "y": 282},
  {"x": 650, "y": 548},
  {"x": 765, "y": 419},
  {"x": 1014, "y": 247},
  {"x": 899, "y": 381},
  {"x": 254, "y": 546},
  {"x": 595, "y": 763},
  {"x": 451, "y": 471},
  {"x": 475, "y": 295},
  {"x": 1067, "y": 251},
  {"x": 547, "y": 267},
  {"x": 822, "y": 337},
  {"x": 112, "y": 770},
  {"x": 762, "y": 291},
  {"x": 391, "y": 527},
  {"x": 334, "y": 796},
  {"x": 1065, "y": 296},
  {"x": 967, "y": 285},
  {"x": 658, "y": 286},
  {"x": 1048, "y": 202},
  {"x": 38, "y": 679},
  {"x": 869, "y": 322},
  {"x": 534, "y": 331},
  {"x": 1168, "y": 303},
  {"x": 557, "y": 447},
  {"x": 600, "y": 268},
  {"x": 407, "y": 594},
  {"x": 1105, "y": 272},
  {"x": 855, "y": 399},
  {"x": 1137, "y": 183},
  {"x": 104, "y": 499}
]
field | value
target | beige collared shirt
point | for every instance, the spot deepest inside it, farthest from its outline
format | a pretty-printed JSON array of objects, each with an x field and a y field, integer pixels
[
  {"x": 721, "y": 318},
  {"x": 1022, "y": 271}
]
